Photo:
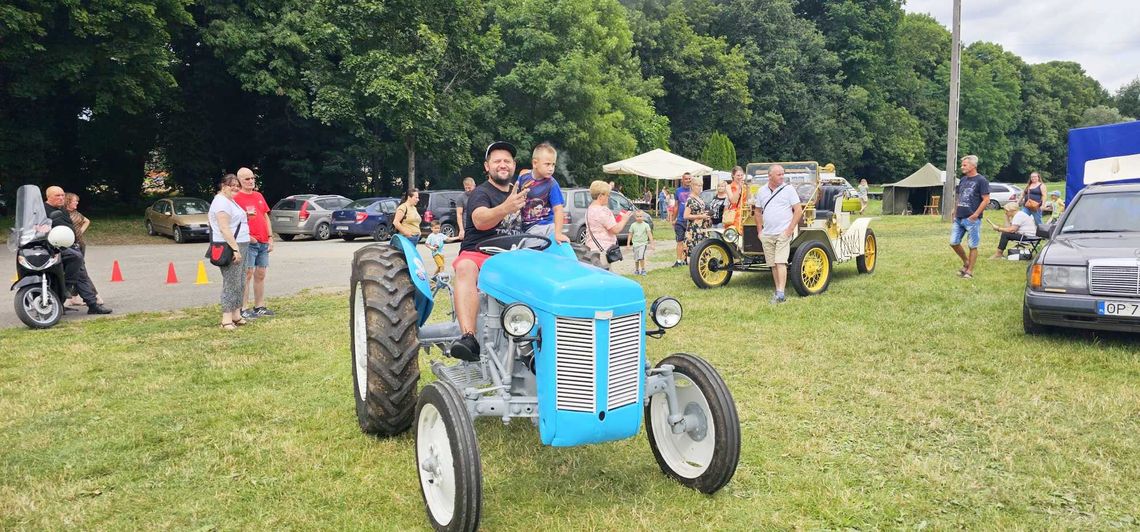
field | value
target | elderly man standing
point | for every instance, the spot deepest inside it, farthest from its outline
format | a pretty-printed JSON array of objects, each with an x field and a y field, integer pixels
[
  {"x": 74, "y": 267},
  {"x": 260, "y": 243},
  {"x": 973, "y": 197},
  {"x": 778, "y": 211}
]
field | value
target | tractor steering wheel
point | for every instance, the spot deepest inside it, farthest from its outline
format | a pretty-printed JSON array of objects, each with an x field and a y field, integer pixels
[{"x": 500, "y": 244}]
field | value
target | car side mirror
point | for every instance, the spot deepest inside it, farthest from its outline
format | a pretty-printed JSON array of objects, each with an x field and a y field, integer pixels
[{"x": 1045, "y": 230}]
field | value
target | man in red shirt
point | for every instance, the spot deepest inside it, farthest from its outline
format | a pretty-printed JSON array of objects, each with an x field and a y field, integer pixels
[{"x": 260, "y": 243}]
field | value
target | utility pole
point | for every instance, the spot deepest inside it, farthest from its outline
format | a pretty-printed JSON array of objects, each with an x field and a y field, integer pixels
[{"x": 948, "y": 199}]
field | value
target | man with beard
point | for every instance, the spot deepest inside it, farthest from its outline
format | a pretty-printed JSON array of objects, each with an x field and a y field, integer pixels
[{"x": 492, "y": 210}]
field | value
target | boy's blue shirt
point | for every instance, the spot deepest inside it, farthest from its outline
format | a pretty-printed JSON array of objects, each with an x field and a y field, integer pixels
[{"x": 541, "y": 198}]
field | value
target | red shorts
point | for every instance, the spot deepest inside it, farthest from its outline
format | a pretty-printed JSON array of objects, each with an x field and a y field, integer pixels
[{"x": 473, "y": 256}]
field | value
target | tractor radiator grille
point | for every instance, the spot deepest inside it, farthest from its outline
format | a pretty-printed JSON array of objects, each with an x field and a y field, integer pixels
[
  {"x": 575, "y": 364},
  {"x": 1115, "y": 280},
  {"x": 625, "y": 356}
]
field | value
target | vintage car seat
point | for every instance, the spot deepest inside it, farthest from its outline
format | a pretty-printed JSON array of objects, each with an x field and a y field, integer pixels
[{"x": 826, "y": 201}]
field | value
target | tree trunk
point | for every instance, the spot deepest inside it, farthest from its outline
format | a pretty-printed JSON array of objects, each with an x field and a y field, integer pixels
[{"x": 410, "y": 145}]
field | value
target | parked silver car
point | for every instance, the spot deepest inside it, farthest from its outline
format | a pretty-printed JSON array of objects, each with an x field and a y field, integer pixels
[
  {"x": 578, "y": 200},
  {"x": 305, "y": 214},
  {"x": 1002, "y": 193}
]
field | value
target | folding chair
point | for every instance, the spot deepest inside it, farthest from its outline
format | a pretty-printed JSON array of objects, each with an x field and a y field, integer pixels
[{"x": 1027, "y": 245}]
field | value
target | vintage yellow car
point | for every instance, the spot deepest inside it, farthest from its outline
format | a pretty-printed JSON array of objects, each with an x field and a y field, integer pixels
[{"x": 827, "y": 234}]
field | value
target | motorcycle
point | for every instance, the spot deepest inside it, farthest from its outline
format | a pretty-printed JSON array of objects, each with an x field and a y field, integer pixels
[{"x": 41, "y": 285}]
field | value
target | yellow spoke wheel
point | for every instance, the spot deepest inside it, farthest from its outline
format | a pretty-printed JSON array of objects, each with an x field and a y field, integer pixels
[
  {"x": 810, "y": 270},
  {"x": 866, "y": 262},
  {"x": 710, "y": 264}
]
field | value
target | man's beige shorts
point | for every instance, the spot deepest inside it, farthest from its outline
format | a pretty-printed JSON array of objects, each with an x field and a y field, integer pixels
[{"x": 776, "y": 248}]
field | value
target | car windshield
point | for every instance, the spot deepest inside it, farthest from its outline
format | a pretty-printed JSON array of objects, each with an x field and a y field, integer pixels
[
  {"x": 360, "y": 203},
  {"x": 188, "y": 207},
  {"x": 1104, "y": 213}
]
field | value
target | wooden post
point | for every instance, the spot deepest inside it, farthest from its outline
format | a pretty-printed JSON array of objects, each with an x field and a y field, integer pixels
[{"x": 949, "y": 201}]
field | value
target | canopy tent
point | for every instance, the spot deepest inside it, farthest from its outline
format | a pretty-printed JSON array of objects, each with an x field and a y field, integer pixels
[
  {"x": 913, "y": 192},
  {"x": 657, "y": 164}
]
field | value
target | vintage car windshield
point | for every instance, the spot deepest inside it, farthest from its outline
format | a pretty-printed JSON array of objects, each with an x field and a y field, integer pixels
[
  {"x": 1104, "y": 213},
  {"x": 188, "y": 207}
]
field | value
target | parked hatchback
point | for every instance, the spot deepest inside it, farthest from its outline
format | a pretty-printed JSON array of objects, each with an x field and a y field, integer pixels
[
  {"x": 1088, "y": 275},
  {"x": 305, "y": 214},
  {"x": 365, "y": 217},
  {"x": 440, "y": 205},
  {"x": 1002, "y": 193},
  {"x": 578, "y": 200},
  {"x": 184, "y": 219}
]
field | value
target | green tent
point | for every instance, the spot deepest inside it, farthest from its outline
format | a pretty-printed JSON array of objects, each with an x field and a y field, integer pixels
[{"x": 914, "y": 192}]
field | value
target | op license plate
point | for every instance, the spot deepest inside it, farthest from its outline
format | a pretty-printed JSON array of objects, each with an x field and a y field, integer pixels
[{"x": 1118, "y": 308}]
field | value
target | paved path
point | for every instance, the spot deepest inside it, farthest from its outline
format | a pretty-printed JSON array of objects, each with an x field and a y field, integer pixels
[{"x": 294, "y": 266}]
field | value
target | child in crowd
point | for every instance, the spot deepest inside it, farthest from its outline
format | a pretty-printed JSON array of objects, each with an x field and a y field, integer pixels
[
  {"x": 542, "y": 214},
  {"x": 640, "y": 238},
  {"x": 435, "y": 243},
  {"x": 1054, "y": 207}
]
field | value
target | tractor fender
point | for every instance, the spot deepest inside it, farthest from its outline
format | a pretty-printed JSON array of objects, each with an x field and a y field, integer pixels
[{"x": 419, "y": 274}]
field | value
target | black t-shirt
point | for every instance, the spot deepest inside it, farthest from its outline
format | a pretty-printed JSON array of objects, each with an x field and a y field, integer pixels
[
  {"x": 716, "y": 209},
  {"x": 59, "y": 217},
  {"x": 486, "y": 195},
  {"x": 970, "y": 192}
]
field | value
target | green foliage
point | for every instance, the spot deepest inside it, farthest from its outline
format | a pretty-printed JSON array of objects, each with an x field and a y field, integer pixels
[
  {"x": 719, "y": 153},
  {"x": 1127, "y": 99},
  {"x": 1101, "y": 115}
]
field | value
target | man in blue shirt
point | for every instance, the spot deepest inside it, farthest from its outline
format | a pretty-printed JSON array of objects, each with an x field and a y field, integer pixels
[
  {"x": 662, "y": 204},
  {"x": 682, "y": 196},
  {"x": 973, "y": 197}
]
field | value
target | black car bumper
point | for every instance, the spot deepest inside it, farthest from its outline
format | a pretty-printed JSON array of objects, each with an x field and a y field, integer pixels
[{"x": 1077, "y": 311}]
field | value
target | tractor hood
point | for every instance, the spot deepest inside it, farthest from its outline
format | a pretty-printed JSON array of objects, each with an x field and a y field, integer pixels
[{"x": 558, "y": 284}]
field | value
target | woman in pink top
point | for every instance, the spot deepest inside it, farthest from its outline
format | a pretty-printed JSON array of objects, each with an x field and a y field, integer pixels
[{"x": 601, "y": 227}]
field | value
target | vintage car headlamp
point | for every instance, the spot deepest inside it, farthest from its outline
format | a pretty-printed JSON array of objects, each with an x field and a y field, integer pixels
[
  {"x": 1064, "y": 277},
  {"x": 730, "y": 235},
  {"x": 36, "y": 259},
  {"x": 517, "y": 320},
  {"x": 666, "y": 312}
]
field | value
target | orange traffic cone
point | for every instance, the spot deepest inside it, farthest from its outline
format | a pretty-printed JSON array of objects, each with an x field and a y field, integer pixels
[
  {"x": 202, "y": 279},
  {"x": 116, "y": 273},
  {"x": 171, "y": 277}
]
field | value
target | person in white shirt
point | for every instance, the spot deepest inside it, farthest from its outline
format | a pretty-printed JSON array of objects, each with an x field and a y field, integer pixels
[
  {"x": 1019, "y": 224},
  {"x": 778, "y": 211}
]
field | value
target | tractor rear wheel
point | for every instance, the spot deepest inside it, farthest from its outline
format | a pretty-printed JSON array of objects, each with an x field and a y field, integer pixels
[
  {"x": 866, "y": 262},
  {"x": 705, "y": 455},
  {"x": 384, "y": 327},
  {"x": 810, "y": 270},
  {"x": 447, "y": 459},
  {"x": 710, "y": 264}
]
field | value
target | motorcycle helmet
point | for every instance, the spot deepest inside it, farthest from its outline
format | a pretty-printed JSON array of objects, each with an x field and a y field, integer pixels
[{"x": 61, "y": 237}]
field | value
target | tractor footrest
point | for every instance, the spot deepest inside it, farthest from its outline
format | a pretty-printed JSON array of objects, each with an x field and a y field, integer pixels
[{"x": 463, "y": 375}]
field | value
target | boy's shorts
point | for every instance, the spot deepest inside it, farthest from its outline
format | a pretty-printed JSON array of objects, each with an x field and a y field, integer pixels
[
  {"x": 541, "y": 230},
  {"x": 438, "y": 262},
  {"x": 639, "y": 252}
]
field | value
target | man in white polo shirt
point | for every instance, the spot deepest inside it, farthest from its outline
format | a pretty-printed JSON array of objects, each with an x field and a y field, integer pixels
[{"x": 778, "y": 211}]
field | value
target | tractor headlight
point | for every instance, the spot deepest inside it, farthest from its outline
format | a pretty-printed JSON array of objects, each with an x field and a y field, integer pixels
[
  {"x": 666, "y": 312},
  {"x": 517, "y": 320},
  {"x": 730, "y": 235}
]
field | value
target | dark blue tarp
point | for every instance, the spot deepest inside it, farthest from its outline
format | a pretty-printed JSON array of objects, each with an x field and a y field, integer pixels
[{"x": 1091, "y": 143}]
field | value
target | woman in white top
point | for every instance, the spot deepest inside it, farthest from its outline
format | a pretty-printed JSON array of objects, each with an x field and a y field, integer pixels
[
  {"x": 227, "y": 224},
  {"x": 601, "y": 227},
  {"x": 1019, "y": 225}
]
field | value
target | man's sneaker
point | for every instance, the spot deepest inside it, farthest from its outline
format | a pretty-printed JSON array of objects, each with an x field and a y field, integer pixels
[
  {"x": 262, "y": 311},
  {"x": 777, "y": 299},
  {"x": 678, "y": 264},
  {"x": 98, "y": 309},
  {"x": 250, "y": 314},
  {"x": 465, "y": 348}
]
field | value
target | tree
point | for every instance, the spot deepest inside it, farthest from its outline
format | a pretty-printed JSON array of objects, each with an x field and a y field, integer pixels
[
  {"x": 1127, "y": 99},
  {"x": 1101, "y": 115},
  {"x": 719, "y": 153},
  {"x": 991, "y": 104}
]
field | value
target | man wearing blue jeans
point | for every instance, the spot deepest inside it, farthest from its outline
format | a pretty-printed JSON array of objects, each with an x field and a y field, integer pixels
[{"x": 973, "y": 197}]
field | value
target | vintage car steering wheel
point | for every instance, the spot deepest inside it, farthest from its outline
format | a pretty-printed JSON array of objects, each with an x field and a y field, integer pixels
[{"x": 503, "y": 243}]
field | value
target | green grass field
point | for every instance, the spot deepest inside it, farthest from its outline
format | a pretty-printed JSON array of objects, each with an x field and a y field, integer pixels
[{"x": 904, "y": 399}]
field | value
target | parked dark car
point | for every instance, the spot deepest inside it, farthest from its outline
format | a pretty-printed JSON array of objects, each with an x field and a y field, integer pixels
[
  {"x": 1088, "y": 275},
  {"x": 578, "y": 200},
  {"x": 440, "y": 205},
  {"x": 184, "y": 219},
  {"x": 365, "y": 217},
  {"x": 305, "y": 214}
]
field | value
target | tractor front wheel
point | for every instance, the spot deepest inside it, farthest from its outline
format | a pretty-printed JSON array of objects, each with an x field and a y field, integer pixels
[
  {"x": 704, "y": 455},
  {"x": 447, "y": 459},
  {"x": 383, "y": 324},
  {"x": 710, "y": 264},
  {"x": 810, "y": 270},
  {"x": 866, "y": 262}
]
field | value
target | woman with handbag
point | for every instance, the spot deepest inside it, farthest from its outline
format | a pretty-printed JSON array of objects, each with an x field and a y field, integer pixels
[
  {"x": 1033, "y": 199},
  {"x": 229, "y": 241},
  {"x": 601, "y": 226},
  {"x": 697, "y": 218},
  {"x": 737, "y": 196}
]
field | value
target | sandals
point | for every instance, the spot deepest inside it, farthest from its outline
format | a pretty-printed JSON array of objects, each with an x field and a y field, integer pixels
[
  {"x": 229, "y": 327},
  {"x": 242, "y": 321}
]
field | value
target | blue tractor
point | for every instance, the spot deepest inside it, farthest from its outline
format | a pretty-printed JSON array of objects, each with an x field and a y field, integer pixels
[{"x": 563, "y": 345}]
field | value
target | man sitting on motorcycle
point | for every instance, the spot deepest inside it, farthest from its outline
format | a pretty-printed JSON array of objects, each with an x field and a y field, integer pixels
[{"x": 74, "y": 265}]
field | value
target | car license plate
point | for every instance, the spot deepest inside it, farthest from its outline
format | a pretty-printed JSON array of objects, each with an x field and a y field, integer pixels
[
  {"x": 342, "y": 228},
  {"x": 1118, "y": 308},
  {"x": 282, "y": 218}
]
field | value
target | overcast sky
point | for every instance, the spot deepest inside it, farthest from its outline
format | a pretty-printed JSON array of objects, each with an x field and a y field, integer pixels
[{"x": 1102, "y": 35}]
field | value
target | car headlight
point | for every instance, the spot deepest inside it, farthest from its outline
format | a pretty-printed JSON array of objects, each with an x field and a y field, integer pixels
[
  {"x": 1064, "y": 277},
  {"x": 666, "y": 312},
  {"x": 730, "y": 235},
  {"x": 517, "y": 320}
]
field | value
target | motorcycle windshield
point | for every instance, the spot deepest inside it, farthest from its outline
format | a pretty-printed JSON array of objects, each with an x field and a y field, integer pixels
[{"x": 31, "y": 217}]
